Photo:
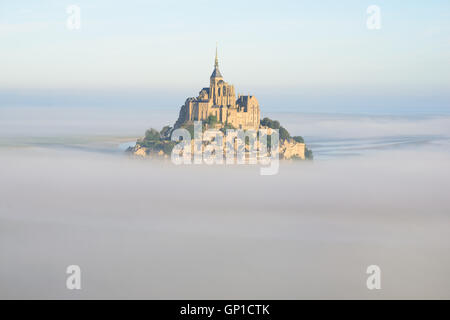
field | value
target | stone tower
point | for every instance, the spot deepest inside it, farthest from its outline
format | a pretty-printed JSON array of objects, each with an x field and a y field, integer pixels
[{"x": 219, "y": 100}]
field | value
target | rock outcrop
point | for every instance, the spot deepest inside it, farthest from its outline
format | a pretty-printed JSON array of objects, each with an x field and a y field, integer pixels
[
  {"x": 292, "y": 150},
  {"x": 288, "y": 149}
]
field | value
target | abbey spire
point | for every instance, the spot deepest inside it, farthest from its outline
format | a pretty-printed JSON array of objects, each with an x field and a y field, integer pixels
[
  {"x": 216, "y": 62},
  {"x": 216, "y": 73}
]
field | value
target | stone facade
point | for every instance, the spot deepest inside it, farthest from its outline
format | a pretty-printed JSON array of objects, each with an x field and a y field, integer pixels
[
  {"x": 292, "y": 149},
  {"x": 219, "y": 100}
]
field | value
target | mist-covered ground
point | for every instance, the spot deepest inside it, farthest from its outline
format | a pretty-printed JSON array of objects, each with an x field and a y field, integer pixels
[{"x": 377, "y": 193}]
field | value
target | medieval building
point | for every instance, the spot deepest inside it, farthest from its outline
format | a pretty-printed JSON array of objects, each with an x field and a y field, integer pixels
[{"x": 219, "y": 100}]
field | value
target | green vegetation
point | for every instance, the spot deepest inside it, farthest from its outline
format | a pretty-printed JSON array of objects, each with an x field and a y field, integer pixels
[
  {"x": 189, "y": 126},
  {"x": 227, "y": 127},
  {"x": 309, "y": 154},
  {"x": 273, "y": 124},
  {"x": 212, "y": 121},
  {"x": 152, "y": 135},
  {"x": 284, "y": 134},
  {"x": 165, "y": 132},
  {"x": 158, "y": 141},
  {"x": 168, "y": 147},
  {"x": 298, "y": 139}
]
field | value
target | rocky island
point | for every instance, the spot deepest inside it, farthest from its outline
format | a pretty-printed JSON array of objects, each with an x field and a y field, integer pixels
[{"x": 217, "y": 108}]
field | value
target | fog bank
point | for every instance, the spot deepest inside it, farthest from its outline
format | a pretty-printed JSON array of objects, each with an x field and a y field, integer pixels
[{"x": 149, "y": 229}]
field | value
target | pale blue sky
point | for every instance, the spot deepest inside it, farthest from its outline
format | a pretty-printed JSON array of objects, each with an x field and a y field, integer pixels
[{"x": 279, "y": 49}]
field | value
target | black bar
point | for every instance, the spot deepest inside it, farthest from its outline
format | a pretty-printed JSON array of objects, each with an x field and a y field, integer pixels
[{"x": 227, "y": 309}]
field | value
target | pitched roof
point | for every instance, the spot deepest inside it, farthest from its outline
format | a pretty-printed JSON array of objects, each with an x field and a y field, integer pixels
[{"x": 216, "y": 73}]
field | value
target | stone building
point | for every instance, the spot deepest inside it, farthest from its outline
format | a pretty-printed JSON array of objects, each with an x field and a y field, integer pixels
[{"x": 219, "y": 100}]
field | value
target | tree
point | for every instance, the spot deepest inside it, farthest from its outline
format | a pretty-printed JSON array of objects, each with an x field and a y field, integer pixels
[
  {"x": 273, "y": 124},
  {"x": 152, "y": 135},
  {"x": 226, "y": 127},
  {"x": 266, "y": 122},
  {"x": 284, "y": 134},
  {"x": 189, "y": 127},
  {"x": 168, "y": 147},
  {"x": 165, "y": 132},
  {"x": 212, "y": 120},
  {"x": 298, "y": 139},
  {"x": 309, "y": 154}
]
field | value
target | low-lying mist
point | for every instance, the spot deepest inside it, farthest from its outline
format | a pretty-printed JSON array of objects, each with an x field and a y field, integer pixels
[
  {"x": 131, "y": 120},
  {"x": 149, "y": 229}
]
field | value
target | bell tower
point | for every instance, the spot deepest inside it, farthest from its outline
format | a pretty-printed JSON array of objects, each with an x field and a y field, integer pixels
[{"x": 216, "y": 76}]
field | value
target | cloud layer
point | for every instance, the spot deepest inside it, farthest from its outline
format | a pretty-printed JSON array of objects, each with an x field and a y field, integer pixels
[{"x": 143, "y": 229}]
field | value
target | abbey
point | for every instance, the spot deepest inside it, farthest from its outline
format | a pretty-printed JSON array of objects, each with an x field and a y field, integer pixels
[
  {"x": 216, "y": 112},
  {"x": 219, "y": 100}
]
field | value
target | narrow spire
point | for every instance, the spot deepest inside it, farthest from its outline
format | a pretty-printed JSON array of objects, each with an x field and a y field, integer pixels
[
  {"x": 216, "y": 73},
  {"x": 216, "y": 62}
]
